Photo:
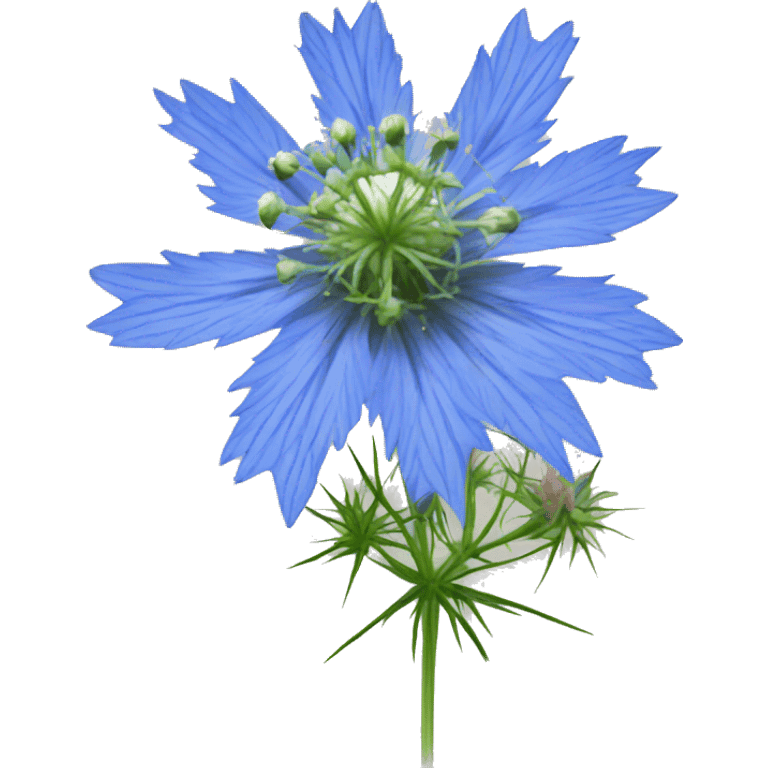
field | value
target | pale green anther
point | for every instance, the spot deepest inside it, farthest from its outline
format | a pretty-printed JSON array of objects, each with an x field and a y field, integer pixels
[
  {"x": 343, "y": 132},
  {"x": 284, "y": 164},
  {"x": 497, "y": 220},
  {"x": 270, "y": 207},
  {"x": 321, "y": 162},
  {"x": 393, "y": 129},
  {"x": 389, "y": 239},
  {"x": 287, "y": 269}
]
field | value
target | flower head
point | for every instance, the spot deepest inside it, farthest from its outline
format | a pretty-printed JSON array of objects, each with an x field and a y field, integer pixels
[{"x": 398, "y": 300}]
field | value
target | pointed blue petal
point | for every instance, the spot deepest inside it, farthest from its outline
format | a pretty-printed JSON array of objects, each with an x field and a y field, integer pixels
[
  {"x": 235, "y": 142},
  {"x": 306, "y": 392},
  {"x": 557, "y": 326},
  {"x": 193, "y": 299},
  {"x": 357, "y": 71},
  {"x": 502, "y": 108},
  {"x": 418, "y": 394},
  {"x": 579, "y": 198},
  {"x": 461, "y": 388}
]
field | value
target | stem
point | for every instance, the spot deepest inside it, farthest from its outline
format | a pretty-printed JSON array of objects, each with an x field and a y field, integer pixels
[{"x": 429, "y": 622}]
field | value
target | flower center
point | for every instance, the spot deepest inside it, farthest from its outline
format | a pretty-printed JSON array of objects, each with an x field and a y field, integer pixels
[{"x": 388, "y": 236}]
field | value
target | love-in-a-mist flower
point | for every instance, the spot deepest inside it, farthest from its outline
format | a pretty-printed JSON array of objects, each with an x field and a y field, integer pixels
[{"x": 398, "y": 300}]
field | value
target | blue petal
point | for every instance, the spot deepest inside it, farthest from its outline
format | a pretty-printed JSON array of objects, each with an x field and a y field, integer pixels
[
  {"x": 419, "y": 394},
  {"x": 307, "y": 392},
  {"x": 235, "y": 142},
  {"x": 579, "y": 198},
  {"x": 527, "y": 328},
  {"x": 496, "y": 355},
  {"x": 193, "y": 299},
  {"x": 501, "y": 110},
  {"x": 444, "y": 392},
  {"x": 357, "y": 71},
  {"x": 557, "y": 326}
]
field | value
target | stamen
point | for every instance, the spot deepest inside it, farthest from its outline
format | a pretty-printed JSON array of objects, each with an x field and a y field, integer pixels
[{"x": 384, "y": 218}]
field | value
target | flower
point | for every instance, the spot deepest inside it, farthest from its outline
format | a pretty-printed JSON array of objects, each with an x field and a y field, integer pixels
[{"x": 410, "y": 227}]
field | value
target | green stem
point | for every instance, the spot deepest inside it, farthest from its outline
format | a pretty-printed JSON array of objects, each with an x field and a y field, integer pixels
[{"x": 429, "y": 622}]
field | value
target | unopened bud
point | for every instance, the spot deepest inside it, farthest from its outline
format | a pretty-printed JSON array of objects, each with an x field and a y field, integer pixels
[{"x": 284, "y": 164}]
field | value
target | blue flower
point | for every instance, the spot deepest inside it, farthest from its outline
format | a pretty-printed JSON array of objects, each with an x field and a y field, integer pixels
[{"x": 408, "y": 224}]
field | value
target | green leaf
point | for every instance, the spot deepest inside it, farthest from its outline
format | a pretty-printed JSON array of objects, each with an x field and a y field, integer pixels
[
  {"x": 451, "y": 611},
  {"x": 406, "y": 599},
  {"x": 316, "y": 557},
  {"x": 358, "y": 561}
]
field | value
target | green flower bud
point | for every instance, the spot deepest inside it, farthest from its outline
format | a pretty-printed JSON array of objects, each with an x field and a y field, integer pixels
[
  {"x": 496, "y": 220},
  {"x": 270, "y": 207},
  {"x": 287, "y": 269},
  {"x": 343, "y": 132},
  {"x": 393, "y": 129},
  {"x": 284, "y": 164}
]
